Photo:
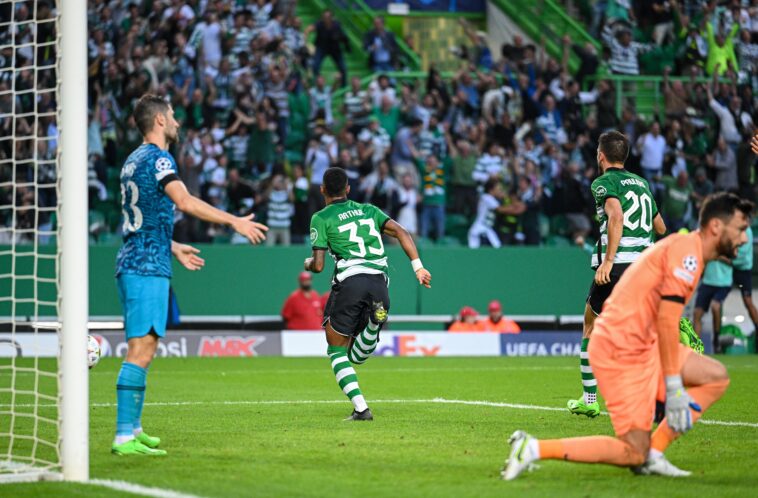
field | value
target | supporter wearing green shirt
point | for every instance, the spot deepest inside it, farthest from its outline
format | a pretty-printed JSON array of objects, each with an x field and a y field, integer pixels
[
  {"x": 721, "y": 50},
  {"x": 676, "y": 202},
  {"x": 260, "y": 147},
  {"x": 388, "y": 116},
  {"x": 463, "y": 158},
  {"x": 433, "y": 174}
]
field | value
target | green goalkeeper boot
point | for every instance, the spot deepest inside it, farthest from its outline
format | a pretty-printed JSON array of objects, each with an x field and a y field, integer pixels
[
  {"x": 134, "y": 447},
  {"x": 688, "y": 337},
  {"x": 579, "y": 407},
  {"x": 149, "y": 441}
]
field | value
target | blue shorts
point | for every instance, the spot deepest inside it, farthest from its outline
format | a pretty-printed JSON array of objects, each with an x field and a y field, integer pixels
[
  {"x": 744, "y": 280},
  {"x": 145, "y": 303},
  {"x": 707, "y": 293}
]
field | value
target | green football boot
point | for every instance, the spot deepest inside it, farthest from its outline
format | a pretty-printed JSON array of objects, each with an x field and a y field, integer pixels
[
  {"x": 579, "y": 407},
  {"x": 688, "y": 337},
  {"x": 134, "y": 447},
  {"x": 149, "y": 441},
  {"x": 378, "y": 313}
]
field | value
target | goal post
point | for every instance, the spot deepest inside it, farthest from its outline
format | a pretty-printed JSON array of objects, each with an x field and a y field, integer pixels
[
  {"x": 44, "y": 403},
  {"x": 73, "y": 295}
]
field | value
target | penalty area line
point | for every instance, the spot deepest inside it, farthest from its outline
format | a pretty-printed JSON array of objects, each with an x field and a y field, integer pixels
[{"x": 138, "y": 489}]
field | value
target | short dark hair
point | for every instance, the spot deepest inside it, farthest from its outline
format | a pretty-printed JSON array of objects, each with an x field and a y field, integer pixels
[
  {"x": 490, "y": 184},
  {"x": 144, "y": 112},
  {"x": 615, "y": 146},
  {"x": 335, "y": 182},
  {"x": 723, "y": 205}
]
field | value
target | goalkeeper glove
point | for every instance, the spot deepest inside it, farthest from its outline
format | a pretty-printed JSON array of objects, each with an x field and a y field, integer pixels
[{"x": 678, "y": 405}]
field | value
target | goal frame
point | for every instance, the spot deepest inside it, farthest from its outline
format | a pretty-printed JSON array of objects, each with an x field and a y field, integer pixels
[{"x": 73, "y": 290}]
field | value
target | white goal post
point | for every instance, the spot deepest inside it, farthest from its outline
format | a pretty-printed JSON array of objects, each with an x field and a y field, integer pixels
[
  {"x": 73, "y": 294},
  {"x": 44, "y": 405}
]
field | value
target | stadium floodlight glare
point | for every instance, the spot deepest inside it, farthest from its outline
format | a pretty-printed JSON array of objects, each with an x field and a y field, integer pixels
[{"x": 44, "y": 415}]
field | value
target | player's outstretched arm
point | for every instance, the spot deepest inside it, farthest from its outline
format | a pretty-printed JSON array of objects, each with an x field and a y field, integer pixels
[
  {"x": 396, "y": 230},
  {"x": 754, "y": 144},
  {"x": 188, "y": 203},
  {"x": 187, "y": 256}
]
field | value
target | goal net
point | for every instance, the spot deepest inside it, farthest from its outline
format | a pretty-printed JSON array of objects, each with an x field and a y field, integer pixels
[{"x": 33, "y": 343}]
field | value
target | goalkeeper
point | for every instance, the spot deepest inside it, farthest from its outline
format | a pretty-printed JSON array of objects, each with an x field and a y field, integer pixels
[{"x": 636, "y": 341}]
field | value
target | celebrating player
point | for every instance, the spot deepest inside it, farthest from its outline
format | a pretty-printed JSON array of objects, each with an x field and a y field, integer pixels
[
  {"x": 635, "y": 347},
  {"x": 628, "y": 215},
  {"x": 150, "y": 188},
  {"x": 359, "y": 302}
]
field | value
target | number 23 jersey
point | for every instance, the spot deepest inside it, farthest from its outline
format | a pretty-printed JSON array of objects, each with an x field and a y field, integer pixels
[
  {"x": 147, "y": 212},
  {"x": 352, "y": 233},
  {"x": 639, "y": 210}
]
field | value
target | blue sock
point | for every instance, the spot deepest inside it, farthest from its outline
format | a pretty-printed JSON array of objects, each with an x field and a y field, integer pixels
[
  {"x": 130, "y": 390},
  {"x": 137, "y": 424}
]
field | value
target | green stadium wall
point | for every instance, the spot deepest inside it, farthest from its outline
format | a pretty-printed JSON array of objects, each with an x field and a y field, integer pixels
[{"x": 245, "y": 280}]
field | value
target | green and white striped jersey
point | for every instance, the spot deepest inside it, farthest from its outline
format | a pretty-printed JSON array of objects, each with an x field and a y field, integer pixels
[
  {"x": 352, "y": 233},
  {"x": 639, "y": 209}
]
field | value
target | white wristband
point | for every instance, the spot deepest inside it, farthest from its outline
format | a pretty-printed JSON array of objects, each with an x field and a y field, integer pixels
[{"x": 417, "y": 265}]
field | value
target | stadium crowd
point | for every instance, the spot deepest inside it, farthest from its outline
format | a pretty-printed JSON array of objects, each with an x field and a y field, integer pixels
[{"x": 502, "y": 152}]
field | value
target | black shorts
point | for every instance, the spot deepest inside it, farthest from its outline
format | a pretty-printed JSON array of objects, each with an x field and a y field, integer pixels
[
  {"x": 744, "y": 280},
  {"x": 707, "y": 293},
  {"x": 600, "y": 293},
  {"x": 349, "y": 305}
]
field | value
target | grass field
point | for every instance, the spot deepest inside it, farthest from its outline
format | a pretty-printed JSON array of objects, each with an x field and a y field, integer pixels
[{"x": 273, "y": 427}]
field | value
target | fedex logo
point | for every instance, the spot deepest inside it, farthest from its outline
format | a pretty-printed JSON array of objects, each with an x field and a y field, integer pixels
[
  {"x": 407, "y": 345},
  {"x": 229, "y": 346}
]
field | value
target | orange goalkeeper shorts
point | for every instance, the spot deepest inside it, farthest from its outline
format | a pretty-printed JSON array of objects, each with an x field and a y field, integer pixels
[{"x": 629, "y": 382}]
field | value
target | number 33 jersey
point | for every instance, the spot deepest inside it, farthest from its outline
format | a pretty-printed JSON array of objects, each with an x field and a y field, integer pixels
[
  {"x": 147, "y": 212},
  {"x": 639, "y": 210},
  {"x": 352, "y": 233}
]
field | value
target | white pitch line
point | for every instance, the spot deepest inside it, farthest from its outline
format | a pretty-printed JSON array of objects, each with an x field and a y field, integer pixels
[
  {"x": 138, "y": 489},
  {"x": 444, "y": 401},
  {"x": 255, "y": 371}
]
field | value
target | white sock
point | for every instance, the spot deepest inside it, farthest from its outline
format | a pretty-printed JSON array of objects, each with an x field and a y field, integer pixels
[
  {"x": 359, "y": 403},
  {"x": 373, "y": 327},
  {"x": 137, "y": 431},
  {"x": 653, "y": 454},
  {"x": 534, "y": 447},
  {"x": 123, "y": 439}
]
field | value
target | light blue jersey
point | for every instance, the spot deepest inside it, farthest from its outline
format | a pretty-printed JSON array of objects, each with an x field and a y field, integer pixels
[
  {"x": 143, "y": 264},
  {"x": 148, "y": 213},
  {"x": 717, "y": 274},
  {"x": 744, "y": 259}
]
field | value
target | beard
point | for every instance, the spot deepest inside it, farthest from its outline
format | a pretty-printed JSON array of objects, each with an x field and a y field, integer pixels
[
  {"x": 726, "y": 248},
  {"x": 305, "y": 288},
  {"x": 172, "y": 137}
]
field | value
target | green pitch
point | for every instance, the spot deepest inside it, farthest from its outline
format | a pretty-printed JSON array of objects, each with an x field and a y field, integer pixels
[{"x": 273, "y": 427}]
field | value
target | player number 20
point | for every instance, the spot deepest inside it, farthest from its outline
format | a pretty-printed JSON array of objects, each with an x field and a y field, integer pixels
[
  {"x": 639, "y": 202},
  {"x": 134, "y": 225},
  {"x": 353, "y": 236}
]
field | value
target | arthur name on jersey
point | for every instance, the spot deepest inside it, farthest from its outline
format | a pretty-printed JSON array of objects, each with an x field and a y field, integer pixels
[{"x": 349, "y": 214}]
